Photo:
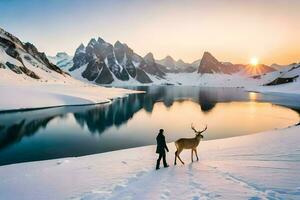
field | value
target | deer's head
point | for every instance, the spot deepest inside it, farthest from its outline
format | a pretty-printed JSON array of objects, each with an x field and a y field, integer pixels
[{"x": 199, "y": 134}]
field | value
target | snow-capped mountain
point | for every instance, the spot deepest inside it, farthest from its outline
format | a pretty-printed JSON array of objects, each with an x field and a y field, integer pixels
[
  {"x": 20, "y": 60},
  {"x": 173, "y": 66},
  {"x": 62, "y": 60},
  {"x": 104, "y": 63},
  {"x": 288, "y": 74}
]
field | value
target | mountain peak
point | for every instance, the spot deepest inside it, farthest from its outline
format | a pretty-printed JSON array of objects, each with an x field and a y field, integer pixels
[
  {"x": 208, "y": 55},
  {"x": 80, "y": 49},
  {"x": 149, "y": 57},
  {"x": 209, "y": 64},
  {"x": 180, "y": 61},
  {"x": 61, "y": 54},
  {"x": 119, "y": 44},
  {"x": 81, "y": 46},
  {"x": 92, "y": 42},
  {"x": 169, "y": 58},
  {"x": 100, "y": 40}
]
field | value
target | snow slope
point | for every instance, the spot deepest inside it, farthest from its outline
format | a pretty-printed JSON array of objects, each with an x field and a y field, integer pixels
[
  {"x": 195, "y": 79},
  {"x": 53, "y": 95},
  {"x": 18, "y": 92},
  {"x": 62, "y": 60},
  {"x": 29, "y": 80},
  {"x": 292, "y": 88},
  {"x": 258, "y": 166},
  {"x": 292, "y": 72}
]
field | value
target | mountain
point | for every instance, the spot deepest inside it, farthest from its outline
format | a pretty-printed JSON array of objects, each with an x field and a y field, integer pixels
[
  {"x": 179, "y": 66},
  {"x": 62, "y": 60},
  {"x": 20, "y": 60},
  {"x": 287, "y": 74},
  {"x": 104, "y": 63},
  {"x": 209, "y": 64}
]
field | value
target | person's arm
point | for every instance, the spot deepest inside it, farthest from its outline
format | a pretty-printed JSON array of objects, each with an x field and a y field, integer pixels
[{"x": 166, "y": 147}]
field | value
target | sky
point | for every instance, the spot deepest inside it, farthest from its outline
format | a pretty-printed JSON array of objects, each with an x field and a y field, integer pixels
[{"x": 232, "y": 30}]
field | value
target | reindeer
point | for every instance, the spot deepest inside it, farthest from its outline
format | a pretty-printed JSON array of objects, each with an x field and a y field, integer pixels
[{"x": 189, "y": 143}]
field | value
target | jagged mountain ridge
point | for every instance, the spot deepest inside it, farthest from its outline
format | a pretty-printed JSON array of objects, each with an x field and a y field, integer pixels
[
  {"x": 178, "y": 66},
  {"x": 18, "y": 59},
  {"x": 104, "y": 63}
]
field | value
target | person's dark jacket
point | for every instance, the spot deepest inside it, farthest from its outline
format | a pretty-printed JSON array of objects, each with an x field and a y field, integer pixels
[{"x": 161, "y": 144}]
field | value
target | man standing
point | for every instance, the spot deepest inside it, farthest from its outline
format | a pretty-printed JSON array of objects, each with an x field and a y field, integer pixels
[{"x": 160, "y": 149}]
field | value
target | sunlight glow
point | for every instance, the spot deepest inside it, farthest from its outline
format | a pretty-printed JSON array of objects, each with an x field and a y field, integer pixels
[{"x": 254, "y": 61}]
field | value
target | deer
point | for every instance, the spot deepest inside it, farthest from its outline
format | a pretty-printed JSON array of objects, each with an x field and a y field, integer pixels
[{"x": 189, "y": 143}]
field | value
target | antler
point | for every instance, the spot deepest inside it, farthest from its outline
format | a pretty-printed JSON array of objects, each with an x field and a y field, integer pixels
[
  {"x": 204, "y": 129},
  {"x": 192, "y": 127}
]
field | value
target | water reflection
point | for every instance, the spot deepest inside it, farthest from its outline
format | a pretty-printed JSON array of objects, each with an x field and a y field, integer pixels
[{"x": 145, "y": 112}]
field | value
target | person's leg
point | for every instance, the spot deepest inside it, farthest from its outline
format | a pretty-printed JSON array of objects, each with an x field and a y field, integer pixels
[
  {"x": 158, "y": 161},
  {"x": 164, "y": 160}
]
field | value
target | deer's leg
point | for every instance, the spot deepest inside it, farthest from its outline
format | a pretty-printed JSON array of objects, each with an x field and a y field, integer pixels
[
  {"x": 175, "y": 157},
  {"x": 192, "y": 154},
  {"x": 196, "y": 154},
  {"x": 178, "y": 152}
]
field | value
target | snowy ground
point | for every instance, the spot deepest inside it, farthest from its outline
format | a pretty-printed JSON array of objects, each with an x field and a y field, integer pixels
[
  {"x": 259, "y": 166},
  {"x": 293, "y": 88},
  {"x": 195, "y": 79},
  {"x": 28, "y": 93}
]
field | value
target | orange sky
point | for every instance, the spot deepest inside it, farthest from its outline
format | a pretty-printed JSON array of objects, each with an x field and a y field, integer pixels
[{"x": 232, "y": 30}]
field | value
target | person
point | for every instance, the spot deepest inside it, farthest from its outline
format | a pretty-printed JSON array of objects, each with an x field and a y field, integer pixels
[{"x": 160, "y": 149}]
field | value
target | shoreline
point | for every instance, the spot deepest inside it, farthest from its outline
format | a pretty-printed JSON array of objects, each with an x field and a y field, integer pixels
[
  {"x": 151, "y": 145},
  {"x": 238, "y": 162},
  {"x": 49, "y": 107}
]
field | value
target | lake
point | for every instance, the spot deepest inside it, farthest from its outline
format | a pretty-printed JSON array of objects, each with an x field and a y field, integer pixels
[{"x": 134, "y": 121}]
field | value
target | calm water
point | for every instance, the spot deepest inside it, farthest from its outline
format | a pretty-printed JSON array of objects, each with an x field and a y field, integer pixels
[{"x": 133, "y": 121}]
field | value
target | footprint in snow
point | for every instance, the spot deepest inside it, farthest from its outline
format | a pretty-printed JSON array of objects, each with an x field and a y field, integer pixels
[
  {"x": 196, "y": 198},
  {"x": 62, "y": 162},
  {"x": 165, "y": 194}
]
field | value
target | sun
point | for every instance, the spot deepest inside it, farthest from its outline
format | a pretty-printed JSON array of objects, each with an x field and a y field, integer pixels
[{"x": 254, "y": 61}]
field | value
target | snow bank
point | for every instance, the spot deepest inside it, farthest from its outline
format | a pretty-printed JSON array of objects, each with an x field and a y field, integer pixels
[
  {"x": 291, "y": 88},
  {"x": 195, "y": 79},
  {"x": 258, "y": 166},
  {"x": 30, "y": 95}
]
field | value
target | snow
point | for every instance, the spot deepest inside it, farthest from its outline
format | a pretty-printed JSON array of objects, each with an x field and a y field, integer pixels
[
  {"x": 20, "y": 92},
  {"x": 52, "y": 95},
  {"x": 258, "y": 166},
  {"x": 62, "y": 60},
  {"x": 287, "y": 72},
  {"x": 6, "y": 58},
  {"x": 291, "y": 88},
  {"x": 195, "y": 79}
]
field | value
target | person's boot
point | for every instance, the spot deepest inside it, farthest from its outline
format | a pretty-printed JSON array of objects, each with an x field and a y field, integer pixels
[
  {"x": 157, "y": 165},
  {"x": 166, "y": 165}
]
